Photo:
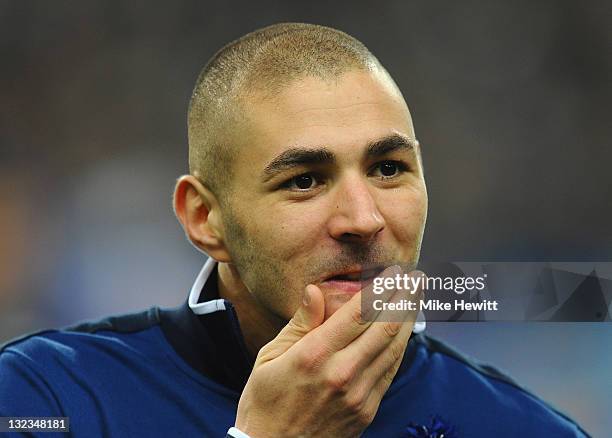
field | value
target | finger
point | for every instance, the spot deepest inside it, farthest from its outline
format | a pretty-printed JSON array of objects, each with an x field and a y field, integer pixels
[
  {"x": 309, "y": 315},
  {"x": 368, "y": 390},
  {"x": 347, "y": 323},
  {"x": 382, "y": 365},
  {"x": 382, "y": 340},
  {"x": 379, "y": 376},
  {"x": 390, "y": 325}
]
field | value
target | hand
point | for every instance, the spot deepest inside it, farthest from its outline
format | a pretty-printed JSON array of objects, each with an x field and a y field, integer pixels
[{"x": 325, "y": 378}]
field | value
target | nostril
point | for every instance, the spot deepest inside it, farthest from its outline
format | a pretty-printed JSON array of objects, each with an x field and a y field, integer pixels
[{"x": 352, "y": 237}]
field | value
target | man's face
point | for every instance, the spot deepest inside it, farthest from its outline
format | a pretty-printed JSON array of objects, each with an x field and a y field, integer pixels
[{"x": 327, "y": 180}]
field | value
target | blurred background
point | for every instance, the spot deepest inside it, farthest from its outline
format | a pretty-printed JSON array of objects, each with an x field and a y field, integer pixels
[{"x": 510, "y": 101}]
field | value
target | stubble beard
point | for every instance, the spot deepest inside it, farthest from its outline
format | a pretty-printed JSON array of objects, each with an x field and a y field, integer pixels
[{"x": 271, "y": 282}]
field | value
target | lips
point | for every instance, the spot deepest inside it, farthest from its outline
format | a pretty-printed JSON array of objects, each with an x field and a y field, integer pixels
[
  {"x": 353, "y": 276},
  {"x": 350, "y": 280}
]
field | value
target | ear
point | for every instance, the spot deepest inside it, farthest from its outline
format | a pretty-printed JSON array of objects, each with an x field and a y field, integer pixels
[{"x": 198, "y": 211}]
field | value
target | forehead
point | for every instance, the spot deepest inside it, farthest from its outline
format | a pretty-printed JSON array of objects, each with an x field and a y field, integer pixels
[{"x": 343, "y": 114}]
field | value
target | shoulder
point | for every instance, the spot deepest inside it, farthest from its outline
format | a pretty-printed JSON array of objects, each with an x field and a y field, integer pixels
[
  {"x": 39, "y": 367},
  {"x": 104, "y": 333},
  {"x": 472, "y": 389},
  {"x": 456, "y": 361},
  {"x": 109, "y": 376},
  {"x": 79, "y": 368}
]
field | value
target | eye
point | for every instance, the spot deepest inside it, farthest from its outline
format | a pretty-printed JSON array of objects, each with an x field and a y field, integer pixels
[
  {"x": 303, "y": 182},
  {"x": 388, "y": 169}
]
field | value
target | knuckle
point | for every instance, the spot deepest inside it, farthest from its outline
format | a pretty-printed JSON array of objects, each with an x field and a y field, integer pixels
[
  {"x": 265, "y": 349},
  {"x": 397, "y": 352},
  {"x": 389, "y": 375},
  {"x": 263, "y": 354},
  {"x": 356, "y": 316},
  {"x": 340, "y": 378},
  {"x": 311, "y": 359},
  {"x": 353, "y": 404},
  {"x": 366, "y": 416},
  {"x": 392, "y": 328}
]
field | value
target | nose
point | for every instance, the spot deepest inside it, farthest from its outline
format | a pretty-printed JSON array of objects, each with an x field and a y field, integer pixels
[{"x": 355, "y": 216}]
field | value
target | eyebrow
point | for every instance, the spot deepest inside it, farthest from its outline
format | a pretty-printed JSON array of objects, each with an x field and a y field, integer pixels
[
  {"x": 296, "y": 157},
  {"x": 390, "y": 144}
]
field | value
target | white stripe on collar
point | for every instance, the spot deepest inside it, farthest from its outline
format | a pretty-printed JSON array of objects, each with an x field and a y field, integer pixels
[
  {"x": 219, "y": 304},
  {"x": 207, "y": 306}
]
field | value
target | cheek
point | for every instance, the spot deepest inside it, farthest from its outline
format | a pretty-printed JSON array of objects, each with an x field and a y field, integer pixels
[
  {"x": 406, "y": 214},
  {"x": 286, "y": 232}
]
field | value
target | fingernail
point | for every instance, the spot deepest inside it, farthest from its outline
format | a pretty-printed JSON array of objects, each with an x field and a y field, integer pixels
[{"x": 306, "y": 298}]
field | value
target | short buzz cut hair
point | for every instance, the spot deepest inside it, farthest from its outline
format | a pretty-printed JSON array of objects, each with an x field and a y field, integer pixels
[{"x": 260, "y": 64}]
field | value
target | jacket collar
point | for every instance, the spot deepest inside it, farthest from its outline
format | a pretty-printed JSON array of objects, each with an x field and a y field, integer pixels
[
  {"x": 200, "y": 307},
  {"x": 205, "y": 332}
]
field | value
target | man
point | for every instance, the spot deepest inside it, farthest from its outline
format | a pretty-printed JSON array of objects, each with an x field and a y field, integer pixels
[{"x": 304, "y": 169}]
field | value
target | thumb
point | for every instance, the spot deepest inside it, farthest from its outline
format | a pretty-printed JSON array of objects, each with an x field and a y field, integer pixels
[{"x": 308, "y": 316}]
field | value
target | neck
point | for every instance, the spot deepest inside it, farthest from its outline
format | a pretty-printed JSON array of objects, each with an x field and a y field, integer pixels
[{"x": 258, "y": 325}]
